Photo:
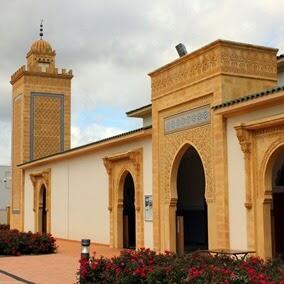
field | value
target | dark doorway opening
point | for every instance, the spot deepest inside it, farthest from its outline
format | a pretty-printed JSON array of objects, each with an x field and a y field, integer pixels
[
  {"x": 129, "y": 226},
  {"x": 277, "y": 213},
  {"x": 192, "y": 223},
  {"x": 42, "y": 211}
]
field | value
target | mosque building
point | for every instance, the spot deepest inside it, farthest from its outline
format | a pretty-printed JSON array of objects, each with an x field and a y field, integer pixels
[{"x": 206, "y": 170}]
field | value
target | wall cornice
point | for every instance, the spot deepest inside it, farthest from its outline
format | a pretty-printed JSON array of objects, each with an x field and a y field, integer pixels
[{"x": 219, "y": 58}]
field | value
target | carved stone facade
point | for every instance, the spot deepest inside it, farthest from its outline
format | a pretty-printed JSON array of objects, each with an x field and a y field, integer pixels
[
  {"x": 217, "y": 72},
  {"x": 261, "y": 141},
  {"x": 199, "y": 137},
  {"x": 47, "y": 125},
  {"x": 229, "y": 58},
  {"x": 181, "y": 91},
  {"x": 117, "y": 167},
  {"x": 33, "y": 127},
  {"x": 40, "y": 180}
]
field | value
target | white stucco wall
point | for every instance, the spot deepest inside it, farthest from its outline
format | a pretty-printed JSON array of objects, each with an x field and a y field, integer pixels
[
  {"x": 236, "y": 175},
  {"x": 79, "y": 194},
  {"x": 280, "y": 78},
  {"x": 147, "y": 184},
  {"x": 147, "y": 121}
]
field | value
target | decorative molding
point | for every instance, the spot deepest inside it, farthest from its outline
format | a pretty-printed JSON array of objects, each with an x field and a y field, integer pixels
[
  {"x": 107, "y": 164},
  {"x": 188, "y": 72},
  {"x": 188, "y": 119},
  {"x": 199, "y": 138},
  {"x": 135, "y": 158},
  {"x": 259, "y": 140},
  {"x": 220, "y": 60},
  {"x": 39, "y": 179},
  {"x": 167, "y": 150},
  {"x": 38, "y": 74},
  {"x": 39, "y": 148},
  {"x": 244, "y": 138},
  {"x": 256, "y": 63},
  {"x": 116, "y": 166},
  {"x": 33, "y": 179},
  {"x": 269, "y": 130},
  {"x": 173, "y": 202}
]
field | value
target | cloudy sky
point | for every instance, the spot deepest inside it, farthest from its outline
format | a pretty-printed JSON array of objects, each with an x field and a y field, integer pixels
[{"x": 111, "y": 45}]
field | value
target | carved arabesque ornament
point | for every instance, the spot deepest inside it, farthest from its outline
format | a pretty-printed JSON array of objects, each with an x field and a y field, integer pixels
[
  {"x": 244, "y": 137},
  {"x": 264, "y": 137},
  {"x": 116, "y": 166},
  {"x": 39, "y": 179},
  {"x": 231, "y": 60},
  {"x": 200, "y": 139}
]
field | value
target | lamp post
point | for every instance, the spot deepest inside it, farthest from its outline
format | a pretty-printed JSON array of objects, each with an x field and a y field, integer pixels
[{"x": 85, "y": 248}]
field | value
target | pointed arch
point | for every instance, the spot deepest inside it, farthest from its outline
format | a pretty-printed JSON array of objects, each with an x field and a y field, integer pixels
[
  {"x": 180, "y": 215},
  {"x": 42, "y": 204},
  {"x": 174, "y": 168},
  {"x": 270, "y": 206},
  {"x": 40, "y": 181},
  {"x": 118, "y": 167},
  {"x": 128, "y": 211}
]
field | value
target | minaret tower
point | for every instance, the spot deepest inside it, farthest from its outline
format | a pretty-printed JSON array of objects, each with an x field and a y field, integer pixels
[{"x": 41, "y": 115}]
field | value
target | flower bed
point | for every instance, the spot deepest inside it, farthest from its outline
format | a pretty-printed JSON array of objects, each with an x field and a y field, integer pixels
[
  {"x": 13, "y": 242},
  {"x": 145, "y": 266},
  {"x": 4, "y": 227}
]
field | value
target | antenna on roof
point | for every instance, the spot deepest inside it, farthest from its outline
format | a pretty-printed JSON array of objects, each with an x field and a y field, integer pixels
[
  {"x": 41, "y": 29},
  {"x": 181, "y": 49}
]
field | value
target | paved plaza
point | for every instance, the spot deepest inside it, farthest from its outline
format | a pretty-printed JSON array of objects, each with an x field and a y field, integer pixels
[{"x": 59, "y": 268}]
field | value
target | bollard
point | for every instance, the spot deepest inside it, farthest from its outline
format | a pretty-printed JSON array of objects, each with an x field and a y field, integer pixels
[
  {"x": 85, "y": 248},
  {"x": 85, "y": 256}
]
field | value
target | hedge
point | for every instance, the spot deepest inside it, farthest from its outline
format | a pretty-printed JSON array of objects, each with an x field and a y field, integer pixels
[
  {"x": 146, "y": 266},
  {"x": 13, "y": 242}
]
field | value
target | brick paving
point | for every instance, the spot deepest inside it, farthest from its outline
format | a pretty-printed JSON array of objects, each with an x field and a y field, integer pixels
[{"x": 59, "y": 268}]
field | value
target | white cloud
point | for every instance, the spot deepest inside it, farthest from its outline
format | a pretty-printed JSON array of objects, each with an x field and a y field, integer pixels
[
  {"x": 5, "y": 144},
  {"x": 112, "y": 45},
  {"x": 91, "y": 133}
]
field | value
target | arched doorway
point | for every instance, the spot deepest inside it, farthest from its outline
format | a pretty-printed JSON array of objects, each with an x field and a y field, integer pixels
[
  {"x": 42, "y": 210},
  {"x": 129, "y": 224},
  {"x": 192, "y": 223},
  {"x": 277, "y": 208}
]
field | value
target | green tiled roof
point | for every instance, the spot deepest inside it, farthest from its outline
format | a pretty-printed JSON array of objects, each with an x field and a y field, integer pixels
[
  {"x": 249, "y": 97},
  {"x": 89, "y": 144},
  {"x": 137, "y": 109}
]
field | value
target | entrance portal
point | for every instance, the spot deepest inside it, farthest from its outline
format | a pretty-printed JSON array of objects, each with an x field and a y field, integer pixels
[
  {"x": 129, "y": 228},
  {"x": 192, "y": 229},
  {"x": 42, "y": 210},
  {"x": 277, "y": 212}
]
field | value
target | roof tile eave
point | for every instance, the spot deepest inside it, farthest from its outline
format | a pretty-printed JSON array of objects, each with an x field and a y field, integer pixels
[
  {"x": 138, "y": 109},
  {"x": 249, "y": 97},
  {"x": 86, "y": 145}
]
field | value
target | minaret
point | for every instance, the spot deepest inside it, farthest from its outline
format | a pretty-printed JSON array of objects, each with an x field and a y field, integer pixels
[{"x": 41, "y": 115}]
